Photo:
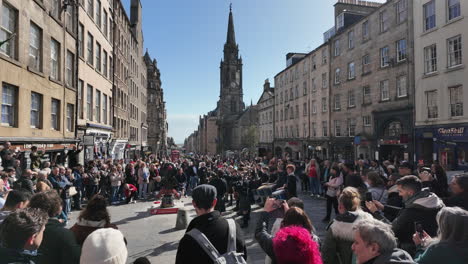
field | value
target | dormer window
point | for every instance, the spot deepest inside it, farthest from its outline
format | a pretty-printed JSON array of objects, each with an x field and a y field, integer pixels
[{"x": 339, "y": 21}]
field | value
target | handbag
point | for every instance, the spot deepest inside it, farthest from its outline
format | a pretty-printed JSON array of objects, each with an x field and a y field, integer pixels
[{"x": 72, "y": 191}]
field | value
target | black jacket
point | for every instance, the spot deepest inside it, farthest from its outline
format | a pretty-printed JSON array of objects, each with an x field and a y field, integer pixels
[
  {"x": 58, "y": 245},
  {"x": 460, "y": 200},
  {"x": 8, "y": 256},
  {"x": 264, "y": 239},
  {"x": 292, "y": 186},
  {"x": 216, "y": 229}
]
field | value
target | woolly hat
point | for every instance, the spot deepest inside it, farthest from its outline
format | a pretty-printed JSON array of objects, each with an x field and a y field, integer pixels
[
  {"x": 294, "y": 244},
  {"x": 104, "y": 246}
]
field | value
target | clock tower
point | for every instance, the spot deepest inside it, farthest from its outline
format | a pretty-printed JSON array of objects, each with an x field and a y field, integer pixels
[
  {"x": 231, "y": 97},
  {"x": 230, "y": 104}
]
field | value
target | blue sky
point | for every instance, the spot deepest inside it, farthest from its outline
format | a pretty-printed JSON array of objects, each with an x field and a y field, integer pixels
[{"x": 187, "y": 36}]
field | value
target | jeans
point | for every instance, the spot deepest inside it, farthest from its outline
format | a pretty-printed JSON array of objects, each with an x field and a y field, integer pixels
[
  {"x": 193, "y": 182},
  {"x": 114, "y": 193},
  {"x": 142, "y": 190},
  {"x": 331, "y": 201},
  {"x": 77, "y": 199},
  {"x": 66, "y": 207},
  {"x": 314, "y": 185}
]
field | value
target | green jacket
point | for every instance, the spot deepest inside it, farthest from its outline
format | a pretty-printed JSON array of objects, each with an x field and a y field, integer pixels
[
  {"x": 58, "y": 245},
  {"x": 36, "y": 160},
  {"x": 443, "y": 253}
]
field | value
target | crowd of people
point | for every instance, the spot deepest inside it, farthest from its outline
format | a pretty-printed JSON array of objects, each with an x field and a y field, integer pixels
[{"x": 376, "y": 212}]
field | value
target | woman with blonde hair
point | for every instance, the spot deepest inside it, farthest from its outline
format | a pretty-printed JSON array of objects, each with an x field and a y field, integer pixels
[
  {"x": 143, "y": 180},
  {"x": 340, "y": 234}
]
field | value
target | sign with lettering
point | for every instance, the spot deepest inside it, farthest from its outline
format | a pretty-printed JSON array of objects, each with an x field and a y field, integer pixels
[
  {"x": 452, "y": 132},
  {"x": 88, "y": 140}
]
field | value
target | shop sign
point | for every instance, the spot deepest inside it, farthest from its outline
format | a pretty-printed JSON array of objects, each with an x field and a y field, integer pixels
[
  {"x": 293, "y": 143},
  {"x": 451, "y": 132},
  {"x": 88, "y": 140},
  {"x": 390, "y": 142},
  {"x": 27, "y": 147}
]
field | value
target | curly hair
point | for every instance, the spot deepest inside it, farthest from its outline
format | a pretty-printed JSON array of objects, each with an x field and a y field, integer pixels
[
  {"x": 293, "y": 244},
  {"x": 48, "y": 201},
  {"x": 96, "y": 210}
]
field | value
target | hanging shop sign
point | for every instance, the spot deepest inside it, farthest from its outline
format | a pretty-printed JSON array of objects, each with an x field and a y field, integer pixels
[{"x": 88, "y": 140}]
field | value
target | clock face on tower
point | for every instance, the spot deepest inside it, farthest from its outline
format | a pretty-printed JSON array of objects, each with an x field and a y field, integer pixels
[{"x": 233, "y": 84}]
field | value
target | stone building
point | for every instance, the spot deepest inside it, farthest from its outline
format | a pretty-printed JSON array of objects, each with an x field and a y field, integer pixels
[
  {"x": 441, "y": 82},
  {"x": 207, "y": 134},
  {"x": 38, "y": 76},
  {"x": 129, "y": 105},
  {"x": 156, "y": 109},
  {"x": 138, "y": 139},
  {"x": 266, "y": 111},
  {"x": 372, "y": 81},
  {"x": 301, "y": 105},
  {"x": 291, "y": 125},
  {"x": 95, "y": 54}
]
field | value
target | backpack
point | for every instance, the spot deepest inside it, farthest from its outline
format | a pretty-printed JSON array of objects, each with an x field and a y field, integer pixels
[{"x": 230, "y": 257}]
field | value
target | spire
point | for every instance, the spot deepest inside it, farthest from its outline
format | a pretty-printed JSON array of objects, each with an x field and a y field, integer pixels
[{"x": 231, "y": 36}]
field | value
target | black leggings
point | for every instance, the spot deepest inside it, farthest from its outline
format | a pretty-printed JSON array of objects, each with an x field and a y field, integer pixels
[{"x": 331, "y": 201}]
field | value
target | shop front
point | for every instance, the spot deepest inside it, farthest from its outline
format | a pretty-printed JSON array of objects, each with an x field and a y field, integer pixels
[
  {"x": 317, "y": 149},
  {"x": 289, "y": 149},
  {"x": 447, "y": 144},
  {"x": 342, "y": 149},
  {"x": 394, "y": 135},
  {"x": 265, "y": 150},
  {"x": 364, "y": 148},
  {"x": 55, "y": 152}
]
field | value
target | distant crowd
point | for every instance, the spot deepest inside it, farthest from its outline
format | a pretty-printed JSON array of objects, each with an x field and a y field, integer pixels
[{"x": 377, "y": 212}]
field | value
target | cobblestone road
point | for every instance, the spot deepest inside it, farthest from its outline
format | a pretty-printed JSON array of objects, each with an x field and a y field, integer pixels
[{"x": 155, "y": 237}]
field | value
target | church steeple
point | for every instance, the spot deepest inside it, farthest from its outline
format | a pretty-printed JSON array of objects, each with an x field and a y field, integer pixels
[{"x": 231, "y": 35}]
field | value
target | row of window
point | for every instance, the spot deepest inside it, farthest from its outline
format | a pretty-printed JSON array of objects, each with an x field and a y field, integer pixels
[
  {"x": 96, "y": 56},
  {"x": 266, "y": 136},
  {"x": 97, "y": 104},
  {"x": 294, "y": 93},
  {"x": 454, "y": 55},
  {"x": 293, "y": 74},
  {"x": 9, "y": 110},
  {"x": 455, "y": 102},
  {"x": 350, "y": 129},
  {"x": 401, "y": 88},
  {"x": 453, "y": 11},
  {"x": 122, "y": 127},
  {"x": 385, "y": 61},
  {"x": 266, "y": 117},
  {"x": 9, "y": 25},
  {"x": 100, "y": 16}
]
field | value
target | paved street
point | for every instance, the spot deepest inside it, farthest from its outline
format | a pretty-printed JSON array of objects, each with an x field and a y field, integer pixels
[{"x": 154, "y": 236}]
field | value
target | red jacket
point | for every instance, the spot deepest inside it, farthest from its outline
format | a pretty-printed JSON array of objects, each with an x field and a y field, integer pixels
[{"x": 130, "y": 190}]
